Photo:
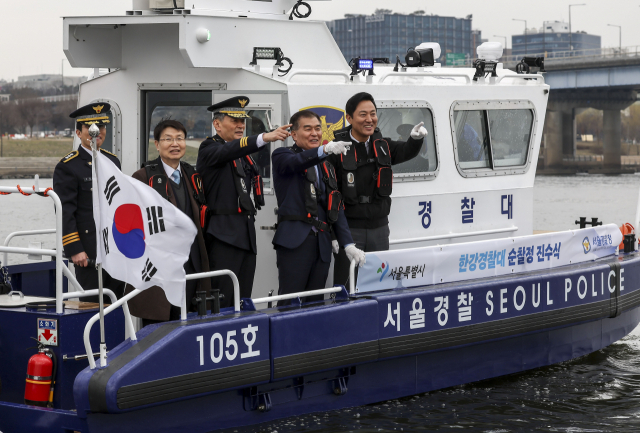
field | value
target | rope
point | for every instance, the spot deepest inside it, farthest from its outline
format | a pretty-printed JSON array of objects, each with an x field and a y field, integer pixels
[
  {"x": 24, "y": 193},
  {"x": 43, "y": 194}
]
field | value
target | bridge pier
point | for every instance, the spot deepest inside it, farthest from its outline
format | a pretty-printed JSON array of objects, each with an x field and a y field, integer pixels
[
  {"x": 612, "y": 129},
  {"x": 560, "y": 124}
]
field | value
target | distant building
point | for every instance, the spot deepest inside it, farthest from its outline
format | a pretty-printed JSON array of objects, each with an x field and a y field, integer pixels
[
  {"x": 46, "y": 81},
  {"x": 387, "y": 34},
  {"x": 553, "y": 37},
  {"x": 5, "y": 97}
]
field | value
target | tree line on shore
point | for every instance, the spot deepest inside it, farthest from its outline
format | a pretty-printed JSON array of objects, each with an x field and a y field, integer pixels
[{"x": 26, "y": 112}]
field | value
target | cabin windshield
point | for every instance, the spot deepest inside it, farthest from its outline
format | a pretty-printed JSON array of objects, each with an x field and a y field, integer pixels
[{"x": 397, "y": 123}]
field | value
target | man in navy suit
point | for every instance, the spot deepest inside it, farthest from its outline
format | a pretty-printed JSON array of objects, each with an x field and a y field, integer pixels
[{"x": 309, "y": 204}]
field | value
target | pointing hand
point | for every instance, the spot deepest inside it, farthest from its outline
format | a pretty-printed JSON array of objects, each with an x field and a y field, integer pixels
[
  {"x": 279, "y": 134},
  {"x": 337, "y": 147},
  {"x": 419, "y": 131}
]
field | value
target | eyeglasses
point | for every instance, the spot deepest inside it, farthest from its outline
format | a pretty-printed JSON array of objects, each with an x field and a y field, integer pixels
[{"x": 179, "y": 140}]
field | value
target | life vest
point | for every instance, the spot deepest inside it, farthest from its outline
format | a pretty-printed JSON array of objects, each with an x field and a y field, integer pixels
[
  {"x": 159, "y": 181},
  {"x": 311, "y": 197},
  {"x": 383, "y": 174}
]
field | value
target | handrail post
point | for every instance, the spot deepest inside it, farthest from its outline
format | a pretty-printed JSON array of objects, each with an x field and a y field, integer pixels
[
  {"x": 10, "y": 236},
  {"x": 59, "y": 264},
  {"x": 352, "y": 277}
]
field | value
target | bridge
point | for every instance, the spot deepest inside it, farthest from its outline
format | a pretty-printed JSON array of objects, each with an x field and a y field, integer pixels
[{"x": 606, "y": 79}]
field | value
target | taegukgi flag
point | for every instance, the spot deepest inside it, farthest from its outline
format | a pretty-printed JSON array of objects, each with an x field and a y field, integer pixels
[{"x": 143, "y": 239}]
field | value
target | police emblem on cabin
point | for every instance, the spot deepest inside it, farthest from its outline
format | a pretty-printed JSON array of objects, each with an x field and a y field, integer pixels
[
  {"x": 586, "y": 245},
  {"x": 98, "y": 108},
  {"x": 332, "y": 119}
]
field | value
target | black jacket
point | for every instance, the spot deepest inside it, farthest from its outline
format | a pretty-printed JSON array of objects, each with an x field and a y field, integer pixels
[
  {"x": 72, "y": 181},
  {"x": 214, "y": 164},
  {"x": 375, "y": 214}
]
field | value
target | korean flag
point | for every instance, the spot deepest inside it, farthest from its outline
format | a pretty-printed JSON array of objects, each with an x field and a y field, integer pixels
[{"x": 142, "y": 238}]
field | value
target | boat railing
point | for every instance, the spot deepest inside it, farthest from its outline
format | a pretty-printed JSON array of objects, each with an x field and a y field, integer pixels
[
  {"x": 429, "y": 73},
  {"x": 183, "y": 308},
  {"x": 320, "y": 73},
  {"x": 9, "y": 237},
  {"x": 297, "y": 295},
  {"x": 454, "y": 235}
]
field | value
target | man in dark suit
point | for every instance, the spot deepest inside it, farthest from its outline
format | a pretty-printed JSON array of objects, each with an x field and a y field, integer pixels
[
  {"x": 228, "y": 173},
  {"x": 309, "y": 205},
  {"x": 365, "y": 176},
  {"x": 178, "y": 183},
  {"x": 72, "y": 181}
]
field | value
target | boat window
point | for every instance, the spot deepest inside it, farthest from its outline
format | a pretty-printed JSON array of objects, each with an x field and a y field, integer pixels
[
  {"x": 492, "y": 137},
  {"x": 108, "y": 143},
  {"x": 187, "y": 107},
  {"x": 258, "y": 124},
  {"x": 396, "y": 123},
  {"x": 510, "y": 136},
  {"x": 196, "y": 120},
  {"x": 471, "y": 138}
]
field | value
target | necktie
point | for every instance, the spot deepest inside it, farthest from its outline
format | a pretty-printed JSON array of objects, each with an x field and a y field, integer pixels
[{"x": 176, "y": 177}]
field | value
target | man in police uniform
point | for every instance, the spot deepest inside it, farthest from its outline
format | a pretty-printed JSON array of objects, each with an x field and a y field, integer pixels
[
  {"x": 228, "y": 173},
  {"x": 309, "y": 206},
  {"x": 72, "y": 181},
  {"x": 365, "y": 177}
]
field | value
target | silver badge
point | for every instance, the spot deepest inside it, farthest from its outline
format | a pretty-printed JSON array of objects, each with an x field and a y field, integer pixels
[
  {"x": 351, "y": 178},
  {"x": 244, "y": 186},
  {"x": 313, "y": 191}
]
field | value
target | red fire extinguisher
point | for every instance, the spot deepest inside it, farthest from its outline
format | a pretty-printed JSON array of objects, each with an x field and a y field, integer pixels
[{"x": 41, "y": 372}]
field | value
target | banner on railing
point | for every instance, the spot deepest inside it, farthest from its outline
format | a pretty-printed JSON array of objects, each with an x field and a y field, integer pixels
[{"x": 467, "y": 261}]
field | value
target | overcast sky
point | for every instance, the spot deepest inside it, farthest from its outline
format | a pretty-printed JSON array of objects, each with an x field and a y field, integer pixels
[{"x": 31, "y": 30}]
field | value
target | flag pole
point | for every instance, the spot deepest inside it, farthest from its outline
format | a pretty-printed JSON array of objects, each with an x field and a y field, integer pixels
[{"x": 94, "y": 131}]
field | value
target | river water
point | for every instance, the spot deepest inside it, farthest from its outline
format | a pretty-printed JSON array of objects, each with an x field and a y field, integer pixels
[{"x": 599, "y": 392}]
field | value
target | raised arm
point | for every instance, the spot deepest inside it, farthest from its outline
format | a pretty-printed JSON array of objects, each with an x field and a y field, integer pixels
[{"x": 401, "y": 152}]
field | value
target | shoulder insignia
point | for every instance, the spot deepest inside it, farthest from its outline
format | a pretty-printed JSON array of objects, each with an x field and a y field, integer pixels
[
  {"x": 108, "y": 153},
  {"x": 70, "y": 156}
]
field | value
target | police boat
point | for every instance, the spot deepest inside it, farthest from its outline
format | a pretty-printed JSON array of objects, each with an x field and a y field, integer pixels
[{"x": 467, "y": 292}]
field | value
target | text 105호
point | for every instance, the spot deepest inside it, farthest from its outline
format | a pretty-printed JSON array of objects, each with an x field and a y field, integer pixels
[{"x": 220, "y": 347}]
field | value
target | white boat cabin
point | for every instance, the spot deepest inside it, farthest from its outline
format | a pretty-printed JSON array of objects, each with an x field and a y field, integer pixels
[{"x": 473, "y": 179}]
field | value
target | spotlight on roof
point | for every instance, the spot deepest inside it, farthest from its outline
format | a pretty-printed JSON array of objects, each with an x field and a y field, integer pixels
[{"x": 263, "y": 53}]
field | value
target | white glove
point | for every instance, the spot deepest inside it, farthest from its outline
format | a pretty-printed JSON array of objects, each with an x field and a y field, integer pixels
[
  {"x": 419, "y": 131},
  {"x": 356, "y": 254},
  {"x": 337, "y": 147},
  {"x": 335, "y": 246}
]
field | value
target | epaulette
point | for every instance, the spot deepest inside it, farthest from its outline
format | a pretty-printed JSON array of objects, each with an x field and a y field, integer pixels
[
  {"x": 69, "y": 157},
  {"x": 108, "y": 153}
]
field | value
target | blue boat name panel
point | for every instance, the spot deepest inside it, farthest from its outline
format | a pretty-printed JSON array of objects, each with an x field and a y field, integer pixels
[
  {"x": 414, "y": 318},
  {"x": 220, "y": 348},
  {"x": 194, "y": 359}
]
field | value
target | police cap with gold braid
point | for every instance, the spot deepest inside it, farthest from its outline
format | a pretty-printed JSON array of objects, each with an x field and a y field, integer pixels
[
  {"x": 97, "y": 113},
  {"x": 233, "y": 107}
]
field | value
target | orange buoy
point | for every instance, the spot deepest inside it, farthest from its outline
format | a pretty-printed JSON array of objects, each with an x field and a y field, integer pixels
[{"x": 626, "y": 229}]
